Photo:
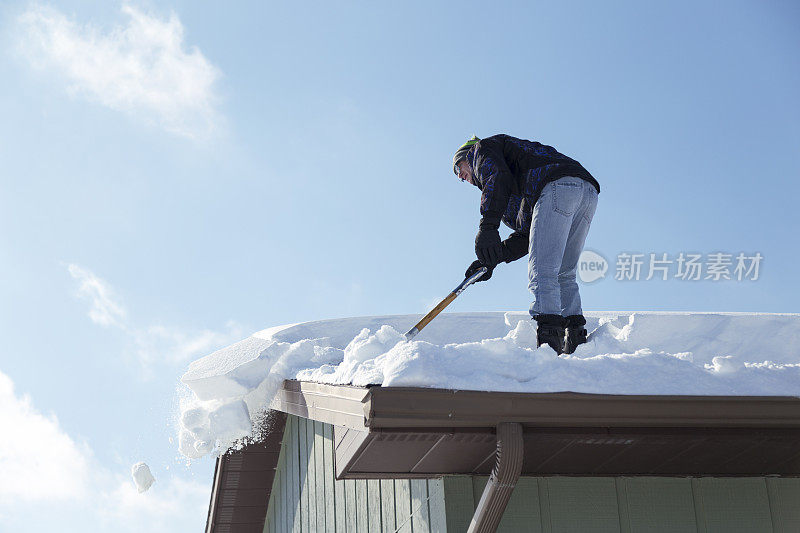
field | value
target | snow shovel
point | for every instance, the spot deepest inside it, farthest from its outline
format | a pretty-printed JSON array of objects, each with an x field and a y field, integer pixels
[{"x": 444, "y": 303}]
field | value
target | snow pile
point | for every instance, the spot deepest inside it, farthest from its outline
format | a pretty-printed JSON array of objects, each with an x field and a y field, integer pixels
[
  {"x": 142, "y": 477},
  {"x": 629, "y": 353}
]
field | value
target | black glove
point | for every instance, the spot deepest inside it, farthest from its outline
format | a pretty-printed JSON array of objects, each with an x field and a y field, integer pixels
[
  {"x": 488, "y": 247},
  {"x": 474, "y": 267}
]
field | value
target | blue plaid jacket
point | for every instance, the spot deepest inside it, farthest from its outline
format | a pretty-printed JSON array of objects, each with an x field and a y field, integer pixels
[{"x": 511, "y": 174}]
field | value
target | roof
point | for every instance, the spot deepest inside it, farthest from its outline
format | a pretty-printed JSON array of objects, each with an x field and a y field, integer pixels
[
  {"x": 423, "y": 432},
  {"x": 407, "y": 432}
]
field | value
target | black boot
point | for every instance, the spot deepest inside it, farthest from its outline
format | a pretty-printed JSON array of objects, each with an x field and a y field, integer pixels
[
  {"x": 576, "y": 333},
  {"x": 550, "y": 331}
]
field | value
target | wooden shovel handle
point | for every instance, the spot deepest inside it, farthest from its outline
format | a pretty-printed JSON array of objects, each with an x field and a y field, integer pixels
[
  {"x": 435, "y": 311},
  {"x": 444, "y": 303}
]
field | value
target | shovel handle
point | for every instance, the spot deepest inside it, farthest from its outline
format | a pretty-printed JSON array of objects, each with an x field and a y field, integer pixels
[{"x": 444, "y": 303}]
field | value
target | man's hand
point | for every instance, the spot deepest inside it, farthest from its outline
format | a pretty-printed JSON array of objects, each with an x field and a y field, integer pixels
[
  {"x": 474, "y": 267},
  {"x": 488, "y": 247}
]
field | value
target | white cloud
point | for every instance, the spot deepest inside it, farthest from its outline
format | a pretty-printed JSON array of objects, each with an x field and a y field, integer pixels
[
  {"x": 104, "y": 310},
  {"x": 142, "y": 68},
  {"x": 157, "y": 507},
  {"x": 40, "y": 464},
  {"x": 151, "y": 344},
  {"x": 38, "y": 460},
  {"x": 180, "y": 346}
]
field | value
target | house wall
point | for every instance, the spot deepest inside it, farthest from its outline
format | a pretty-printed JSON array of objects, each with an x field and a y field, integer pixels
[
  {"x": 307, "y": 498},
  {"x": 635, "y": 504}
]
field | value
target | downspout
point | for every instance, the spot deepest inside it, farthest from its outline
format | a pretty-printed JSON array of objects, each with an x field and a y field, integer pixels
[{"x": 506, "y": 471}]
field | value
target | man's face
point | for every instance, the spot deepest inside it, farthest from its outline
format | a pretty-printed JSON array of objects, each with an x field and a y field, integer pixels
[{"x": 465, "y": 172}]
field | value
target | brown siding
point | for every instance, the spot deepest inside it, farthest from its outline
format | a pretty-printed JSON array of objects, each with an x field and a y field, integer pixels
[{"x": 243, "y": 481}]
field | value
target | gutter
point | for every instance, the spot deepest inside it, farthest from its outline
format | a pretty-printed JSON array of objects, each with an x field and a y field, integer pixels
[
  {"x": 398, "y": 408},
  {"x": 408, "y": 407},
  {"x": 506, "y": 472}
]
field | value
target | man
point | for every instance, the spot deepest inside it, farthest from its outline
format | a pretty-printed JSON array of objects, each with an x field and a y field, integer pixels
[{"x": 548, "y": 199}]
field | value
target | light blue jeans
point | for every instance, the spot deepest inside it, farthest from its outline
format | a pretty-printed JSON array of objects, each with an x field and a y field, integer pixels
[{"x": 560, "y": 223}]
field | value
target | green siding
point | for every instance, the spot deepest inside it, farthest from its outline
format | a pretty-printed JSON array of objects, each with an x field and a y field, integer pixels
[
  {"x": 307, "y": 498},
  {"x": 388, "y": 517},
  {"x": 733, "y": 505},
  {"x": 656, "y": 504},
  {"x": 402, "y": 509},
  {"x": 459, "y": 502},
  {"x": 338, "y": 496},
  {"x": 636, "y": 504},
  {"x": 311, "y": 478},
  {"x": 582, "y": 504},
  {"x": 294, "y": 457},
  {"x": 302, "y": 449},
  {"x": 319, "y": 476},
  {"x": 330, "y": 497},
  {"x": 351, "y": 523},
  {"x": 436, "y": 505},
  {"x": 522, "y": 512},
  {"x": 362, "y": 519},
  {"x": 784, "y": 499},
  {"x": 374, "y": 506},
  {"x": 420, "y": 508}
]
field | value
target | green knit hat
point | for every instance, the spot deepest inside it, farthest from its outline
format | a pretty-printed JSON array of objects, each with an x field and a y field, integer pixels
[{"x": 461, "y": 153}]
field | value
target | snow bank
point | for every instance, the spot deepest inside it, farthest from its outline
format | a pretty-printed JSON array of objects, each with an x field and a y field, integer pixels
[{"x": 629, "y": 353}]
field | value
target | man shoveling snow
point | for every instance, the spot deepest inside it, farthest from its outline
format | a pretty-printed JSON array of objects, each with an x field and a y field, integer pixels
[{"x": 548, "y": 200}]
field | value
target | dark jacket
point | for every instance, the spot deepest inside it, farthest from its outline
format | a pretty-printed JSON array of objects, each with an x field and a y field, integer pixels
[{"x": 511, "y": 174}]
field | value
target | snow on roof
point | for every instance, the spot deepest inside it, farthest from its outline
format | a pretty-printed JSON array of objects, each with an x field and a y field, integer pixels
[{"x": 727, "y": 354}]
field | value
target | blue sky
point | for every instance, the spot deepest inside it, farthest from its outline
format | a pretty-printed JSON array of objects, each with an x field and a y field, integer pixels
[{"x": 178, "y": 175}]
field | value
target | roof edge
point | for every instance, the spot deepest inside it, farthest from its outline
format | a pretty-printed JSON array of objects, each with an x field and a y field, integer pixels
[
  {"x": 375, "y": 407},
  {"x": 422, "y": 407}
]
